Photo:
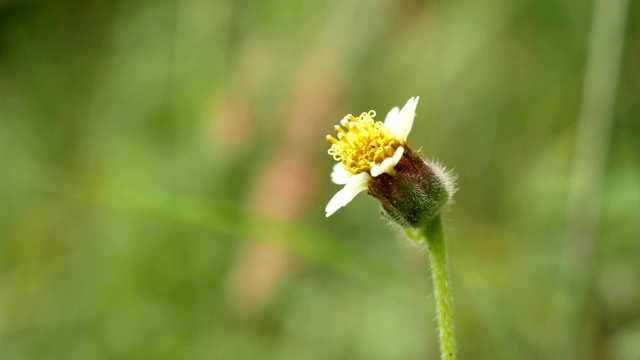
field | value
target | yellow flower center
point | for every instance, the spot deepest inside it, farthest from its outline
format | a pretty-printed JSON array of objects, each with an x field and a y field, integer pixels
[{"x": 364, "y": 144}]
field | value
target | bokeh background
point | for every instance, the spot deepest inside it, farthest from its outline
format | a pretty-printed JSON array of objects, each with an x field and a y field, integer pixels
[{"x": 164, "y": 175}]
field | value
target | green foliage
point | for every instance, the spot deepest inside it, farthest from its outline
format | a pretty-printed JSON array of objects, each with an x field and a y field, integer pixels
[{"x": 136, "y": 139}]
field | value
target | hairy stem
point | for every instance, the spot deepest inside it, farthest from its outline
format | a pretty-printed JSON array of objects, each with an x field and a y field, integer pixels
[{"x": 442, "y": 288}]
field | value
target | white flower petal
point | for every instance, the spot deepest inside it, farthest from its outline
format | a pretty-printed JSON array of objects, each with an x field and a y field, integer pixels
[
  {"x": 354, "y": 186},
  {"x": 339, "y": 175},
  {"x": 387, "y": 164},
  {"x": 405, "y": 119},
  {"x": 391, "y": 120}
]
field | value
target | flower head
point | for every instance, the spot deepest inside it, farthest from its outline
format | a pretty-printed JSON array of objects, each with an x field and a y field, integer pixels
[{"x": 374, "y": 156}]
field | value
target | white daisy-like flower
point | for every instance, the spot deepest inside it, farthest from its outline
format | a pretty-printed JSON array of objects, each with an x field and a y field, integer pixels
[{"x": 367, "y": 149}]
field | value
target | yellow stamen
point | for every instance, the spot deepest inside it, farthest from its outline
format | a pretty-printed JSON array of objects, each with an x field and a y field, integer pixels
[
  {"x": 339, "y": 129},
  {"x": 332, "y": 139},
  {"x": 364, "y": 144}
]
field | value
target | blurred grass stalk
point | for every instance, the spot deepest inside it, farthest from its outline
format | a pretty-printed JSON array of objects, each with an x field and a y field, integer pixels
[
  {"x": 228, "y": 222},
  {"x": 569, "y": 323}
]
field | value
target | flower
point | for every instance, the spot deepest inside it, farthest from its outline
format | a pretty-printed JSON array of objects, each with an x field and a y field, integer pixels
[
  {"x": 374, "y": 156},
  {"x": 367, "y": 150}
]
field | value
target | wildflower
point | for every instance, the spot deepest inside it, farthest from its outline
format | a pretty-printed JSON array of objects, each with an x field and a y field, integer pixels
[{"x": 374, "y": 157}]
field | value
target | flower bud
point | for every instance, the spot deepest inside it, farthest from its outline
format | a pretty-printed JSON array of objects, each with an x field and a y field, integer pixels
[{"x": 416, "y": 193}]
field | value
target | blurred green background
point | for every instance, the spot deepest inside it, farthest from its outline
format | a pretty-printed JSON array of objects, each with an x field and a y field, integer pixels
[{"x": 164, "y": 177}]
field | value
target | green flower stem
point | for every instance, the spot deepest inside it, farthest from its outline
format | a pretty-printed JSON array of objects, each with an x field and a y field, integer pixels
[{"x": 442, "y": 288}]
